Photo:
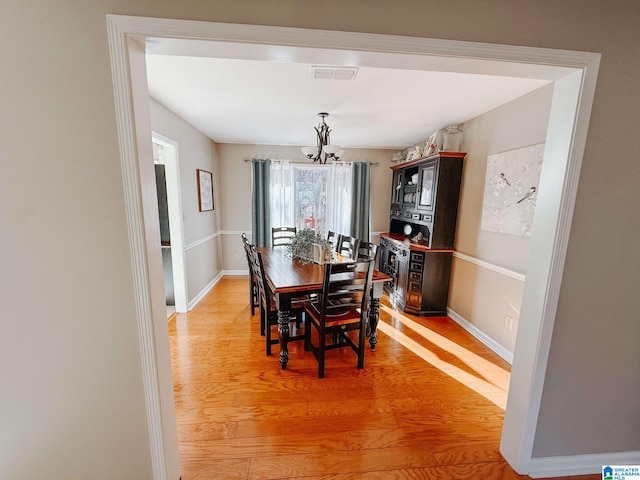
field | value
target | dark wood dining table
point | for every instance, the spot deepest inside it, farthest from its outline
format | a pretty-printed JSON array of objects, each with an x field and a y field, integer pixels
[{"x": 288, "y": 278}]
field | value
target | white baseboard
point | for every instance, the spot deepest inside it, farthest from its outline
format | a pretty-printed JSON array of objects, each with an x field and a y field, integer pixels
[
  {"x": 235, "y": 272},
  {"x": 204, "y": 291},
  {"x": 480, "y": 335},
  {"x": 579, "y": 464}
]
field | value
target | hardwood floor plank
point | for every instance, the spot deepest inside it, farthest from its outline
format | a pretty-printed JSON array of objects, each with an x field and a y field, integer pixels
[
  {"x": 339, "y": 462},
  {"x": 202, "y": 468},
  {"x": 456, "y": 472},
  {"x": 266, "y": 446},
  {"x": 364, "y": 406},
  {"x": 312, "y": 425},
  {"x": 467, "y": 453},
  {"x": 200, "y": 430},
  {"x": 315, "y": 396},
  {"x": 425, "y": 437}
]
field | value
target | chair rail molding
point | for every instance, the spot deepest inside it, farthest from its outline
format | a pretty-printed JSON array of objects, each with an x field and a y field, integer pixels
[
  {"x": 202, "y": 240},
  {"x": 490, "y": 266}
]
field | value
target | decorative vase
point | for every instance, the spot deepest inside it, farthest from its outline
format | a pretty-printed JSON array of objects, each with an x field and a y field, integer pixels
[
  {"x": 452, "y": 139},
  {"x": 317, "y": 253}
]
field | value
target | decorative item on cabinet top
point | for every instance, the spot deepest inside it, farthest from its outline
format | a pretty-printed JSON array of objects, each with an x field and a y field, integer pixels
[
  {"x": 399, "y": 156},
  {"x": 448, "y": 139},
  {"x": 452, "y": 138},
  {"x": 433, "y": 144}
]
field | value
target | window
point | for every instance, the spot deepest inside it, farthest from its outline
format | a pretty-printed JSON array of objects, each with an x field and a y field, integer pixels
[{"x": 311, "y": 196}]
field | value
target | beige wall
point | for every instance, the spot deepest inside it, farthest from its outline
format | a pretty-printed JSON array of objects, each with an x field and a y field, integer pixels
[
  {"x": 481, "y": 296},
  {"x": 235, "y": 191},
  {"x": 195, "y": 150},
  {"x": 519, "y": 123},
  {"x": 73, "y": 403}
]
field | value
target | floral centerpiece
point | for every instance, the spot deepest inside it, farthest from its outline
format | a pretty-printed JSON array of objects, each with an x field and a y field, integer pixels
[{"x": 309, "y": 246}]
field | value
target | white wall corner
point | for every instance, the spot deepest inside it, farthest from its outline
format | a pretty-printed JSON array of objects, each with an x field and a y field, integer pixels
[{"x": 204, "y": 291}]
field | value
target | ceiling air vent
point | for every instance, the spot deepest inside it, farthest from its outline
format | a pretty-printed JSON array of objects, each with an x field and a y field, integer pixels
[{"x": 323, "y": 72}]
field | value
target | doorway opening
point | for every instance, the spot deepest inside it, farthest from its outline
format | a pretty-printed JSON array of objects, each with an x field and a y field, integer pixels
[
  {"x": 574, "y": 74},
  {"x": 172, "y": 238}
]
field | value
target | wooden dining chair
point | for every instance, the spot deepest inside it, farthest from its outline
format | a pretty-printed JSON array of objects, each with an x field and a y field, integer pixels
[
  {"x": 367, "y": 251},
  {"x": 332, "y": 238},
  {"x": 254, "y": 296},
  {"x": 348, "y": 246},
  {"x": 282, "y": 236},
  {"x": 342, "y": 308},
  {"x": 268, "y": 309}
]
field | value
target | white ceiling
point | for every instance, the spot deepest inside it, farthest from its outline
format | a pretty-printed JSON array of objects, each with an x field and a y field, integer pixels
[{"x": 261, "y": 94}]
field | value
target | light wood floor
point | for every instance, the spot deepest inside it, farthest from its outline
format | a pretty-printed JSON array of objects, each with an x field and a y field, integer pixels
[{"x": 429, "y": 403}]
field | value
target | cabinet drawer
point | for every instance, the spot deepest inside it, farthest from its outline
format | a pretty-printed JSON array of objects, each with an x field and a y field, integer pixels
[
  {"x": 407, "y": 214},
  {"x": 415, "y": 216},
  {"x": 414, "y": 299},
  {"x": 427, "y": 218},
  {"x": 415, "y": 287},
  {"x": 417, "y": 257},
  {"x": 415, "y": 277}
]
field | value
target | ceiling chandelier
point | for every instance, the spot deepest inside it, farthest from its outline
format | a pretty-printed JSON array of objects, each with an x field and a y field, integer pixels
[{"x": 324, "y": 149}]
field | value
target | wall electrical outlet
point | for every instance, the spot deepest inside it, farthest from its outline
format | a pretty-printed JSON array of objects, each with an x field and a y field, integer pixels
[{"x": 508, "y": 322}]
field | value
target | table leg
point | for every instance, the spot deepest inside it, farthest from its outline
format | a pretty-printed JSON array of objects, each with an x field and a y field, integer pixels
[
  {"x": 283, "y": 335},
  {"x": 374, "y": 313},
  {"x": 283, "y": 302}
]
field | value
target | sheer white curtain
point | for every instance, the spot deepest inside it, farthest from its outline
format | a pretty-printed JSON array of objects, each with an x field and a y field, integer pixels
[
  {"x": 311, "y": 196},
  {"x": 342, "y": 198},
  {"x": 280, "y": 193}
]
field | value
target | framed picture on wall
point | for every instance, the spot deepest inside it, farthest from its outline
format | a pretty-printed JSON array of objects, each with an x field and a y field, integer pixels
[{"x": 205, "y": 190}]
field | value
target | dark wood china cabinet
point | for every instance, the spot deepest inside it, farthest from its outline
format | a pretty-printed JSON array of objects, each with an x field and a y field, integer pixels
[{"x": 424, "y": 200}]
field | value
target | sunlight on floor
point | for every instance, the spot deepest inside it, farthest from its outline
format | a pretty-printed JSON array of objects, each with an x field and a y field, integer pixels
[{"x": 494, "y": 383}]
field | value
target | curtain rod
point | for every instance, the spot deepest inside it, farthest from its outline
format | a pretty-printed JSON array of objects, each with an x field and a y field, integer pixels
[{"x": 247, "y": 160}]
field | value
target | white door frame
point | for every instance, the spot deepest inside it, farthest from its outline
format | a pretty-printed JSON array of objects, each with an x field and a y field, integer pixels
[
  {"x": 176, "y": 227},
  {"x": 570, "y": 113}
]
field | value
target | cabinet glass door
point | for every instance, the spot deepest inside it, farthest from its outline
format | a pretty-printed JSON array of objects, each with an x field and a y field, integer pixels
[
  {"x": 427, "y": 176},
  {"x": 396, "y": 197}
]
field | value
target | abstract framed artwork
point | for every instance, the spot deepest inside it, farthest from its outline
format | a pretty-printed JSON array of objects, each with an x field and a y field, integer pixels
[{"x": 205, "y": 190}]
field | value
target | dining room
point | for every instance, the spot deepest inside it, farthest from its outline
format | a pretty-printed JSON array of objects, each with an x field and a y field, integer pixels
[
  {"x": 421, "y": 339},
  {"x": 235, "y": 187},
  {"x": 222, "y": 409}
]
